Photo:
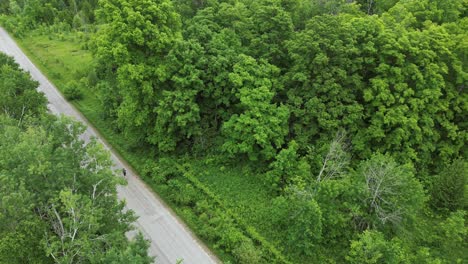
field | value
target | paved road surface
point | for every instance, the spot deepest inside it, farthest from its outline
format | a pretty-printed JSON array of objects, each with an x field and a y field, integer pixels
[{"x": 170, "y": 239}]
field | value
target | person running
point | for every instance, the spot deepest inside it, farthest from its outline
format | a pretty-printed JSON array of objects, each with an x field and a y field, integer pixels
[{"x": 124, "y": 172}]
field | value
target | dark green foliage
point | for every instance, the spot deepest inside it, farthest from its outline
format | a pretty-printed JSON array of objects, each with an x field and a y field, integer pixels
[
  {"x": 300, "y": 216},
  {"x": 449, "y": 188},
  {"x": 30, "y": 14},
  {"x": 19, "y": 96},
  {"x": 287, "y": 168},
  {"x": 451, "y": 235}
]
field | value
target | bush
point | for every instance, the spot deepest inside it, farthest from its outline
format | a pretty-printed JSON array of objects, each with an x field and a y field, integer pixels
[
  {"x": 92, "y": 78},
  {"x": 246, "y": 252},
  {"x": 449, "y": 187},
  {"x": 72, "y": 91}
]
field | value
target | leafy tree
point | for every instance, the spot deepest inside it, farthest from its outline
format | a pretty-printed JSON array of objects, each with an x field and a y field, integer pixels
[
  {"x": 129, "y": 50},
  {"x": 393, "y": 195},
  {"x": 451, "y": 238},
  {"x": 20, "y": 229},
  {"x": 178, "y": 112},
  {"x": 372, "y": 247},
  {"x": 299, "y": 215},
  {"x": 261, "y": 127},
  {"x": 72, "y": 91},
  {"x": 320, "y": 91},
  {"x": 277, "y": 82},
  {"x": 449, "y": 187},
  {"x": 66, "y": 193},
  {"x": 387, "y": 98},
  {"x": 20, "y": 97},
  {"x": 288, "y": 168},
  {"x": 178, "y": 115},
  {"x": 271, "y": 28}
]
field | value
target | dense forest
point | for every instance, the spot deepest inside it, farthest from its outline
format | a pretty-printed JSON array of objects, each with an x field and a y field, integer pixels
[{"x": 350, "y": 116}]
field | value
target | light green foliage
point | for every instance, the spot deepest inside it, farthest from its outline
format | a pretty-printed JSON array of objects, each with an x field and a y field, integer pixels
[
  {"x": 392, "y": 194},
  {"x": 452, "y": 234},
  {"x": 416, "y": 13},
  {"x": 262, "y": 125},
  {"x": 72, "y": 91},
  {"x": 373, "y": 248},
  {"x": 246, "y": 253},
  {"x": 129, "y": 50},
  {"x": 287, "y": 168}
]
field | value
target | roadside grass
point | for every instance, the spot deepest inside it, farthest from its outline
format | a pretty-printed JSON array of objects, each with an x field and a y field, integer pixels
[{"x": 63, "y": 59}]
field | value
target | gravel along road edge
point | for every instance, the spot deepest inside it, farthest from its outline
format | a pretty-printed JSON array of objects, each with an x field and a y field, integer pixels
[{"x": 171, "y": 240}]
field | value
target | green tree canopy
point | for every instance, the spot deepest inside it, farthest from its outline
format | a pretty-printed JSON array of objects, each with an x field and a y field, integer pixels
[{"x": 19, "y": 96}]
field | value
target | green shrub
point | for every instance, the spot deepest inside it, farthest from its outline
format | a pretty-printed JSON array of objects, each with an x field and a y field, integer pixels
[
  {"x": 72, "y": 91},
  {"x": 449, "y": 187},
  {"x": 92, "y": 78},
  {"x": 56, "y": 75},
  {"x": 182, "y": 193},
  {"x": 246, "y": 252}
]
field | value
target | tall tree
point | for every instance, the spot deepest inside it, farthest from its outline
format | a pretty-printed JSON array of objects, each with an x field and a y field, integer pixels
[
  {"x": 130, "y": 50},
  {"x": 260, "y": 128},
  {"x": 392, "y": 194}
]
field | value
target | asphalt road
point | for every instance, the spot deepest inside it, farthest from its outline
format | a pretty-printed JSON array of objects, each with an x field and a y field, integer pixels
[{"x": 170, "y": 239}]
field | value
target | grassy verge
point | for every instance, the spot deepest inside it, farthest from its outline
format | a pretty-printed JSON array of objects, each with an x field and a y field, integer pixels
[{"x": 224, "y": 207}]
